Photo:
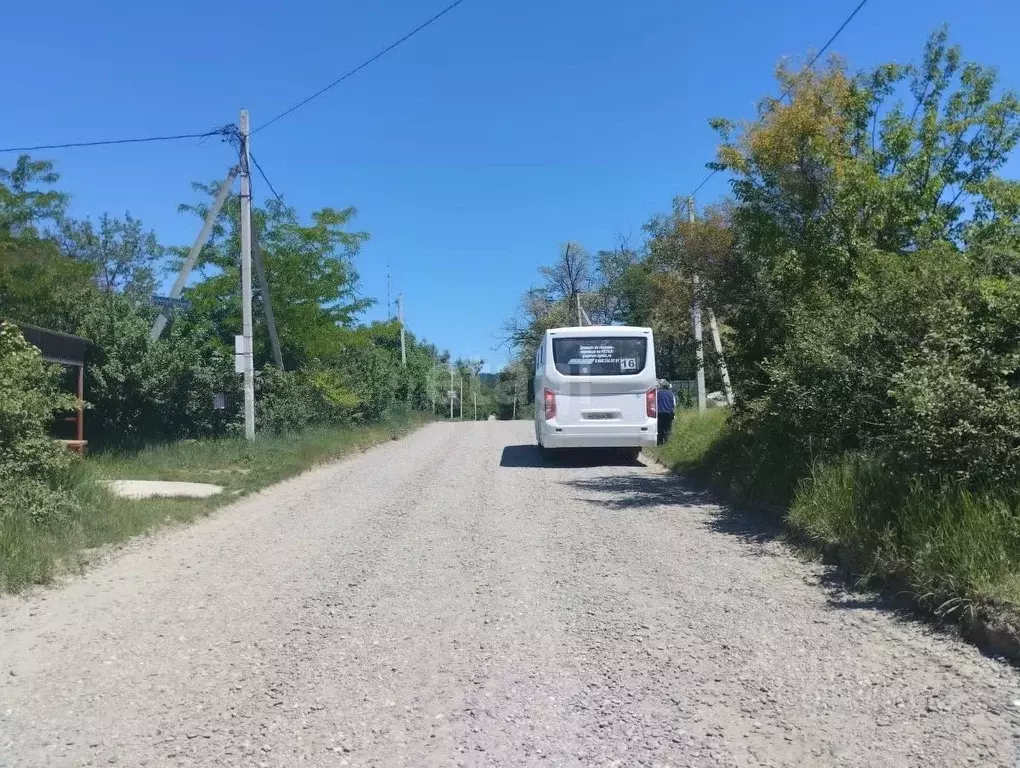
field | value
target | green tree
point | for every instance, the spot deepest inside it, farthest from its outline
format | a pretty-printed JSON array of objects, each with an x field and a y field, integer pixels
[
  {"x": 873, "y": 248},
  {"x": 27, "y": 205},
  {"x": 123, "y": 256},
  {"x": 38, "y": 284},
  {"x": 309, "y": 267}
]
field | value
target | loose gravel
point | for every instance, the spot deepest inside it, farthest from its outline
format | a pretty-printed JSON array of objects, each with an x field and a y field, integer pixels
[{"x": 452, "y": 599}]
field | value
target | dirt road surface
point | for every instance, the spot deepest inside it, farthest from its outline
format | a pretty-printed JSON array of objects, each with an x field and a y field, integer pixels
[{"x": 450, "y": 599}]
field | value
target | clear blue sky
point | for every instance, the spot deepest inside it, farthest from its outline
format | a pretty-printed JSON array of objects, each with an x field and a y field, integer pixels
[{"x": 471, "y": 151}]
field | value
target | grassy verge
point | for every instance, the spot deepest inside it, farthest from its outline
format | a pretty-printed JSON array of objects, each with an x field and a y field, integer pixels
[
  {"x": 739, "y": 470},
  {"x": 33, "y": 553},
  {"x": 953, "y": 550},
  {"x": 957, "y": 553}
]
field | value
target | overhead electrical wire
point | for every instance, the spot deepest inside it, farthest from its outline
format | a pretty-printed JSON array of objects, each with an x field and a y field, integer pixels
[
  {"x": 110, "y": 142},
  {"x": 337, "y": 82},
  {"x": 361, "y": 66},
  {"x": 226, "y": 130},
  {"x": 266, "y": 179},
  {"x": 789, "y": 88}
]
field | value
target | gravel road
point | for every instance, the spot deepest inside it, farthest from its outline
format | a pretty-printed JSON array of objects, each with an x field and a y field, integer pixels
[{"x": 449, "y": 599}]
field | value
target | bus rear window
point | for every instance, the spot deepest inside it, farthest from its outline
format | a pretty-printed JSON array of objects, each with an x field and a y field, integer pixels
[{"x": 591, "y": 356}]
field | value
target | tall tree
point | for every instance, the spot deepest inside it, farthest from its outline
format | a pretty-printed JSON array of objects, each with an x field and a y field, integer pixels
[
  {"x": 124, "y": 257},
  {"x": 38, "y": 284},
  {"x": 27, "y": 205},
  {"x": 309, "y": 267},
  {"x": 847, "y": 169}
]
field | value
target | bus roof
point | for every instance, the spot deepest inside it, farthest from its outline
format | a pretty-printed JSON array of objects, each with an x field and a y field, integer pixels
[{"x": 599, "y": 330}]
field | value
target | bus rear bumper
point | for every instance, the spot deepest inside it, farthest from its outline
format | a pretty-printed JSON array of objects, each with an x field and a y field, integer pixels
[{"x": 552, "y": 436}]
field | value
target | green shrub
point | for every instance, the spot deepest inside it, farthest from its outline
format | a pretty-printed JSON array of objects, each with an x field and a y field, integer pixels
[
  {"x": 296, "y": 400},
  {"x": 34, "y": 469},
  {"x": 956, "y": 403},
  {"x": 286, "y": 402},
  {"x": 684, "y": 398},
  {"x": 143, "y": 391},
  {"x": 757, "y": 467}
]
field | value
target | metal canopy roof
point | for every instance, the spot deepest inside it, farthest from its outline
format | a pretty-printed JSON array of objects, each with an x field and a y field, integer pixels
[{"x": 56, "y": 347}]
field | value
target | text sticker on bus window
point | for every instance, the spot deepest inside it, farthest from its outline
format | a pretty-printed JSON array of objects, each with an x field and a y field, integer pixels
[
  {"x": 589, "y": 354},
  {"x": 628, "y": 364}
]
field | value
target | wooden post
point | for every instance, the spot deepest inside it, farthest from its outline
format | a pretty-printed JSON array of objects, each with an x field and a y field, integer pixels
[{"x": 80, "y": 429}]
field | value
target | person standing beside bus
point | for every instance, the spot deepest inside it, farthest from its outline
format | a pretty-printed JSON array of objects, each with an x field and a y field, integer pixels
[{"x": 665, "y": 406}]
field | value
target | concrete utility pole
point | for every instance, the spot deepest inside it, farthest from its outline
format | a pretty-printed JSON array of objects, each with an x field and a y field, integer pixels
[
  {"x": 474, "y": 396},
  {"x": 461, "y": 377},
  {"x": 267, "y": 302},
  {"x": 515, "y": 399},
  {"x": 699, "y": 347},
  {"x": 246, "y": 351},
  {"x": 580, "y": 322},
  {"x": 723, "y": 370},
  {"x": 400, "y": 319},
  {"x": 189, "y": 263},
  {"x": 452, "y": 392}
]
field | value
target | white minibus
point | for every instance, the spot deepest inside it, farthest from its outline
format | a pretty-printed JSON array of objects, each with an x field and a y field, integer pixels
[{"x": 595, "y": 387}]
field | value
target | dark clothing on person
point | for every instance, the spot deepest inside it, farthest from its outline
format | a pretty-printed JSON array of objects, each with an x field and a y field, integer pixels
[
  {"x": 665, "y": 427},
  {"x": 665, "y": 401},
  {"x": 665, "y": 404}
]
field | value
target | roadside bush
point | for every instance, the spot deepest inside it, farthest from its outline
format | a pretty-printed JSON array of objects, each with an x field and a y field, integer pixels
[
  {"x": 183, "y": 372},
  {"x": 296, "y": 400},
  {"x": 34, "y": 470},
  {"x": 143, "y": 391},
  {"x": 719, "y": 449},
  {"x": 956, "y": 402},
  {"x": 287, "y": 402}
]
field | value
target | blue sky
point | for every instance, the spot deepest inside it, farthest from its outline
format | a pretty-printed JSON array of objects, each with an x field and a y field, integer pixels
[{"x": 471, "y": 152}]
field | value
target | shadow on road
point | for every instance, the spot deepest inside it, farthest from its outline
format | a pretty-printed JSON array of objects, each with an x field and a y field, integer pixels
[
  {"x": 844, "y": 590},
  {"x": 620, "y": 492},
  {"x": 518, "y": 456}
]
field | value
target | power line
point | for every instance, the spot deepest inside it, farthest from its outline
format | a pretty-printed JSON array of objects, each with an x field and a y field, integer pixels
[
  {"x": 227, "y": 129},
  {"x": 266, "y": 178},
  {"x": 361, "y": 66},
  {"x": 789, "y": 88},
  {"x": 704, "y": 181},
  {"x": 110, "y": 142},
  {"x": 831, "y": 40}
]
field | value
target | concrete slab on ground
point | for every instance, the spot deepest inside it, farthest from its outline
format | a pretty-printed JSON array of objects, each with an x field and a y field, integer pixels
[{"x": 147, "y": 489}]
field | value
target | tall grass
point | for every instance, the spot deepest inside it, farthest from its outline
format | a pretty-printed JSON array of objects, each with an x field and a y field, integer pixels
[
  {"x": 740, "y": 467},
  {"x": 951, "y": 548},
  {"x": 33, "y": 553}
]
